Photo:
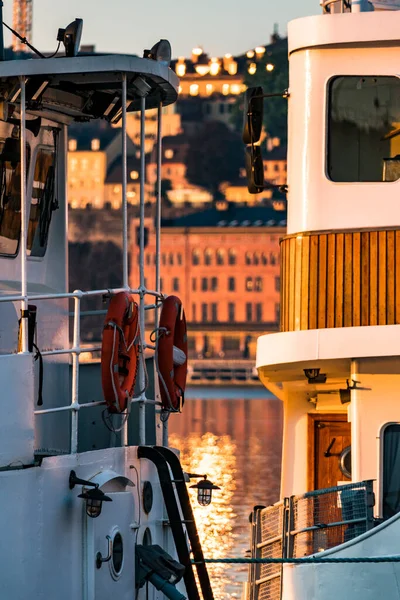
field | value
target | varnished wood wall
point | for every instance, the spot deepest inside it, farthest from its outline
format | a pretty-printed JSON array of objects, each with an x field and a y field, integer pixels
[{"x": 340, "y": 279}]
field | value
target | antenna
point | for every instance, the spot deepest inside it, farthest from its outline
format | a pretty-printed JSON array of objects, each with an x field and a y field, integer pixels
[
  {"x": 22, "y": 22},
  {"x": 1, "y": 32}
]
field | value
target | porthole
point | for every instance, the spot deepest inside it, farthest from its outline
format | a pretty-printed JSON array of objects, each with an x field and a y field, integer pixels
[
  {"x": 345, "y": 462},
  {"x": 117, "y": 557},
  {"x": 147, "y": 537},
  {"x": 147, "y": 497}
]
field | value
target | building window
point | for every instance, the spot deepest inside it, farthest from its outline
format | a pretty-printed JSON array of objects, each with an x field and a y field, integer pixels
[
  {"x": 204, "y": 313},
  {"x": 363, "y": 113},
  {"x": 276, "y": 168},
  {"x": 214, "y": 284},
  {"x": 264, "y": 259},
  {"x": 163, "y": 259},
  {"x": 232, "y": 257},
  {"x": 208, "y": 256},
  {"x": 134, "y": 174},
  {"x": 171, "y": 258},
  {"x": 249, "y": 312},
  {"x": 220, "y": 256},
  {"x": 258, "y": 284},
  {"x": 194, "y": 284},
  {"x": 204, "y": 284},
  {"x": 196, "y": 257},
  {"x": 179, "y": 258},
  {"x": 95, "y": 145},
  {"x": 194, "y": 318},
  {"x": 161, "y": 284},
  {"x": 249, "y": 284},
  {"x": 169, "y": 153},
  {"x": 277, "y": 284},
  {"x": 194, "y": 89},
  {"x": 72, "y": 145},
  {"x": 148, "y": 259},
  {"x": 175, "y": 284},
  {"x": 256, "y": 258},
  {"x": 214, "y": 315},
  {"x": 209, "y": 89},
  {"x": 259, "y": 312},
  {"x": 231, "y": 312},
  {"x": 221, "y": 109},
  {"x": 247, "y": 258},
  {"x": 231, "y": 284},
  {"x": 272, "y": 258},
  {"x": 278, "y": 312}
]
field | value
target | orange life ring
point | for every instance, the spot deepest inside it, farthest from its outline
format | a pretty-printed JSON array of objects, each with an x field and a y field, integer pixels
[
  {"x": 172, "y": 332},
  {"x": 119, "y": 351}
]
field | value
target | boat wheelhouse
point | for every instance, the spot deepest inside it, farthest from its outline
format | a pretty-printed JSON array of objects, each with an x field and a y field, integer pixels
[
  {"x": 336, "y": 362},
  {"x": 93, "y": 503}
]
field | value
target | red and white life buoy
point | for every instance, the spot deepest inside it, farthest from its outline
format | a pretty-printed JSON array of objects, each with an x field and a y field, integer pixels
[
  {"x": 172, "y": 354},
  {"x": 119, "y": 351}
]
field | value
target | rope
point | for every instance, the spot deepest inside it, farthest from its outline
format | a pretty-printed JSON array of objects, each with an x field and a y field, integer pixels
[{"x": 303, "y": 560}]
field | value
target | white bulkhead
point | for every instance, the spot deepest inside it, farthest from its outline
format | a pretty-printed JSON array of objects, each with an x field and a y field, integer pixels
[{"x": 320, "y": 49}]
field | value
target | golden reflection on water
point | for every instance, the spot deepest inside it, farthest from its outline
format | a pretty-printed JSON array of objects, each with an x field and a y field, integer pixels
[{"x": 236, "y": 443}]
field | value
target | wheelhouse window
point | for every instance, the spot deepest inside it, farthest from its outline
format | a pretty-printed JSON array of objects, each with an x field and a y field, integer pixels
[
  {"x": 43, "y": 202},
  {"x": 391, "y": 471},
  {"x": 10, "y": 195},
  {"x": 364, "y": 129}
]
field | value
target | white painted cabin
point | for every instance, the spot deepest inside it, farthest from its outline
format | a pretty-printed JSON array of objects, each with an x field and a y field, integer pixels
[{"x": 336, "y": 362}]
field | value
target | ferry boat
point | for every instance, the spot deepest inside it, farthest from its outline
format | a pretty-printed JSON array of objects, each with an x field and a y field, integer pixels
[
  {"x": 335, "y": 364},
  {"x": 94, "y": 504}
]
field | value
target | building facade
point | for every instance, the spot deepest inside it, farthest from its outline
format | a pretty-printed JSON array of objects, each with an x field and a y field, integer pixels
[{"x": 224, "y": 265}]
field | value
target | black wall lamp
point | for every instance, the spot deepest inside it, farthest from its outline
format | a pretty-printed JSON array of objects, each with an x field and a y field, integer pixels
[
  {"x": 204, "y": 489},
  {"x": 314, "y": 376},
  {"x": 94, "y": 498}
]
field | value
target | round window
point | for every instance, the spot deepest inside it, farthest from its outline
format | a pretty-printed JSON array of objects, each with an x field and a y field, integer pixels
[
  {"x": 345, "y": 462},
  {"x": 117, "y": 555}
]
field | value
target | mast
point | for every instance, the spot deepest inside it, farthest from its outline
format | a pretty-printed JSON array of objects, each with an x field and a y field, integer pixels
[{"x": 22, "y": 23}]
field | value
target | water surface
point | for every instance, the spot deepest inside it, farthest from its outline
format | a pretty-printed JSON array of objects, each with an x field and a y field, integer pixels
[{"x": 233, "y": 435}]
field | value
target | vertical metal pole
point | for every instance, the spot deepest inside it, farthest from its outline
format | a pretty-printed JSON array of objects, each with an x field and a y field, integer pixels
[
  {"x": 142, "y": 406},
  {"x": 125, "y": 274},
  {"x": 158, "y": 238},
  {"x": 158, "y": 204},
  {"x": 75, "y": 375},
  {"x": 24, "y": 285},
  {"x": 354, "y": 409},
  {"x": 1, "y": 32},
  {"x": 124, "y": 186}
]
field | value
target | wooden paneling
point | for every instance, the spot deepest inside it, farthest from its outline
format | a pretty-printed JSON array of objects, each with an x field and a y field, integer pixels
[{"x": 340, "y": 279}]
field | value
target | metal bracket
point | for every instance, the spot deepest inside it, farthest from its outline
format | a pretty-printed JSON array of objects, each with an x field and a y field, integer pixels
[{"x": 99, "y": 557}]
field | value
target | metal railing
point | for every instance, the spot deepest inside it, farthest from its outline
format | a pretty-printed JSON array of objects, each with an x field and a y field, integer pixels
[
  {"x": 24, "y": 298},
  {"x": 268, "y": 542},
  {"x": 303, "y": 525},
  {"x": 323, "y": 519}
]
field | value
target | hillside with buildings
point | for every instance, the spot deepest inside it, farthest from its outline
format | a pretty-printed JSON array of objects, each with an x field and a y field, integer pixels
[{"x": 219, "y": 244}]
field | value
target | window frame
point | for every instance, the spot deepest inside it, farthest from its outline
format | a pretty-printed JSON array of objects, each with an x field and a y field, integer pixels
[{"x": 328, "y": 106}]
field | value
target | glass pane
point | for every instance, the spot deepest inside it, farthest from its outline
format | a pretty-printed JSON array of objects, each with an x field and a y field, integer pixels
[
  {"x": 10, "y": 198},
  {"x": 42, "y": 203},
  {"x": 364, "y": 129}
]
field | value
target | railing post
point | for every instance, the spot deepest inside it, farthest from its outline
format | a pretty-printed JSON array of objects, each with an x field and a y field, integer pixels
[
  {"x": 75, "y": 374},
  {"x": 24, "y": 284},
  {"x": 125, "y": 276},
  {"x": 142, "y": 379}
]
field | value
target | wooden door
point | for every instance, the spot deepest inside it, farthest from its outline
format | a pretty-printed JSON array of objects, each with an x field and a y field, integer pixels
[{"x": 329, "y": 436}]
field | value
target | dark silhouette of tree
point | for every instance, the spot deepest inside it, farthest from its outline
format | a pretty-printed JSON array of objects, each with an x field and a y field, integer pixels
[
  {"x": 166, "y": 187},
  {"x": 215, "y": 155}
]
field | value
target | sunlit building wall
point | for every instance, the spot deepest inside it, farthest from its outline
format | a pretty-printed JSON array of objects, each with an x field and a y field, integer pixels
[{"x": 227, "y": 276}]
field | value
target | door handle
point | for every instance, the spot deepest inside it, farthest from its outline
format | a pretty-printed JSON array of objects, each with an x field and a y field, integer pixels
[
  {"x": 99, "y": 557},
  {"x": 327, "y": 452}
]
